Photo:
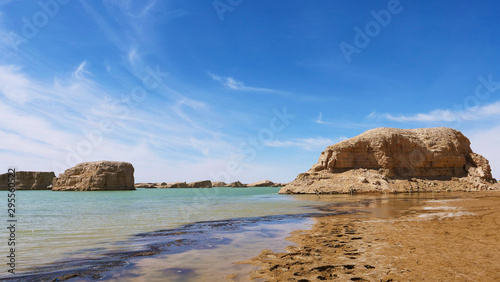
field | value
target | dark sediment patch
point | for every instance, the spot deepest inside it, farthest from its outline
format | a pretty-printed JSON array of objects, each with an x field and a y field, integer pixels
[{"x": 193, "y": 236}]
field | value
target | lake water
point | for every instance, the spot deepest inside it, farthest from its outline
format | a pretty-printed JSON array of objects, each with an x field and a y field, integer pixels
[
  {"x": 166, "y": 234},
  {"x": 55, "y": 226}
]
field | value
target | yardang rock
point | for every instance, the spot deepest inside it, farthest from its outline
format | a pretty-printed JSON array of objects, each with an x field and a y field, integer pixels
[
  {"x": 397, "y": 160},
  {"x": 200, "y": 184},
  {"x": 96, "y": 176},
  {"x": 262, "y": 183},
  {"x": 236, "y": 184},
  {"x": 29, "y": 180}
]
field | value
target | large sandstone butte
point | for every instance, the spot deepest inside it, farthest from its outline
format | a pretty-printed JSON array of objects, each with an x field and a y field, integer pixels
[
  {"x": 397, "y": 160},
  {"x": 29, "y": 180},
  {"x": 96, "y": 176}
]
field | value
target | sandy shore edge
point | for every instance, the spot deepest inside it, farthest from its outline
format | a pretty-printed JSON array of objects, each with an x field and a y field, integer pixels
[{"x": 443, "y": 240}]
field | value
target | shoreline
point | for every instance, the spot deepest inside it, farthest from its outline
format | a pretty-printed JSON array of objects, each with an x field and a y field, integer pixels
[
  {"x": 193, "y": 236},
  {"x": 341, "y": 242},
  {"x": 454, "y": 239}
]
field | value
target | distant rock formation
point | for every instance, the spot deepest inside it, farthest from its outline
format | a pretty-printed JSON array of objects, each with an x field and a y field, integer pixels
[
  {"x": 208, "y": 184},
  {"x": 176, "y": 185},
  {"x": 236, "y": 184},
  {"x": 146, "y": 185},
  {"x": 200, "y": 184},
  {"x": 29, "y": 180},
  {"x": 96, "y": 176},
  {"x": 219, "y": 184},
  {"x": 397, "y": 160},
  {"x": 196, "y": 184},
  {"x": 262, "y": 183}
]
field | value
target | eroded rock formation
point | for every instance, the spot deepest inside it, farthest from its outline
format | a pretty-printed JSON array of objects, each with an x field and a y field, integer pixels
[
  {"x": 196, "y": 184},
  {"x": 200, "y": 184},
  {"x": 96, "y": 176},
  {"x": 262, "y": 183},
  {"x": 390, "y": 159},
  {"x": 29, "y": 180},
  {"x": 219, "y": 184},
  {"x": 236, "y": 184}
]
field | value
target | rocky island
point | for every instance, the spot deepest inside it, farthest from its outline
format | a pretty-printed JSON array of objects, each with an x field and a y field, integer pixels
[
  {"x": 397, "y": 160},
  {"x": 29, "y": 180},
  {"x": 208, "y": 184},
  {"x": 96, "y": 176}
]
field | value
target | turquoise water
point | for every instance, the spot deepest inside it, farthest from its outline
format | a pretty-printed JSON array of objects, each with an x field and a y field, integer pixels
[{"x": 55, "y": 226}]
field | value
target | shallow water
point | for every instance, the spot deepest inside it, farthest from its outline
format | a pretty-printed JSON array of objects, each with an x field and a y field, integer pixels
[
  {"x": 68, "y": 225},
  {"x": 73, "y": 229}
]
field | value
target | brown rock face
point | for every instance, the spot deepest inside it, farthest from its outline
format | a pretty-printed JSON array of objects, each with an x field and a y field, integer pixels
[
  {"x": 146, "y": 185},
  {"x": 177, "y": 185},
  {"x": 29, "y": 180},
  {"x": 200, "y": 184},
  {"x": 236, "y": 184},
  {"x": 219, "y": 184},
  {"x": 96, "y": 176},
  {"x": 262, "y": 183},
  {"x": 379, "y": 158}
]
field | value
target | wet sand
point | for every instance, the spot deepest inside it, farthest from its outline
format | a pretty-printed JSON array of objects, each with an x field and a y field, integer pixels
[
  {"x": 150, "y": 262},
  {"x": 440, "y": 240}
]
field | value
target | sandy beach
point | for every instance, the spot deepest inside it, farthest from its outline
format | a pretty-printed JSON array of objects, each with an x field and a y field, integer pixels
[{"x": 455, "y": 239}]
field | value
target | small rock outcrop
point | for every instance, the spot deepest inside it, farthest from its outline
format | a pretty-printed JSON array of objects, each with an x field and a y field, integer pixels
[
  {"x": 397, "y": 160},
  {"x": 146, "y": 185},
  {"x": 219, "y": 184},
  {"x": 176, "y": 185},
  {"x": 262, "y": 183},
  {"x": 197, "y": 184},
  {"x": 236, "y": 184},
  {"x": 200, "y": 184},
  {"x": 96, "y": 176},
  {"x": 29, "y": 180}
]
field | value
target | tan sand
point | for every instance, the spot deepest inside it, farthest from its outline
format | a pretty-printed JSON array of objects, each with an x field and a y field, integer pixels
[{"x": 450, "y": 240}]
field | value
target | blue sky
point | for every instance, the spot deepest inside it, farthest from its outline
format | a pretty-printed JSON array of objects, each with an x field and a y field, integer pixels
[{"x": 236, "y": 89}]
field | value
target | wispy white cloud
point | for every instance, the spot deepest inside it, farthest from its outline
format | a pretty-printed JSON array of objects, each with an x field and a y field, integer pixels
[
  {"x": 320, "y": 120},
  {"x": 309, "y": 144},
  {"x": 234, "y": 84},
  {"x": 144, "y": 12},
  {"x": 15, "y": 86},
  {"x": 81, "y": 71},
  {"x": 133, "y": 57},
  {"x": 446, "y": 115},
  {"x": 105, "y": 27},
  {"x": 55, "y": 118}
]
